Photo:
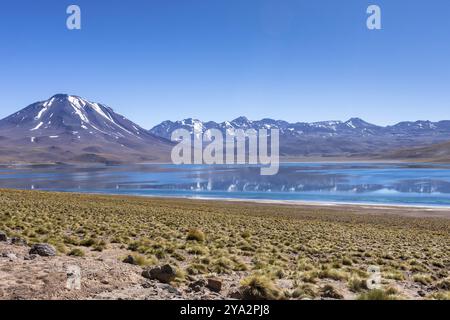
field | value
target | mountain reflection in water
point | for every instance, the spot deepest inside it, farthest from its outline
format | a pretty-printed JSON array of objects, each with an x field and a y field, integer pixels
[{"x": 415, "y": 184}]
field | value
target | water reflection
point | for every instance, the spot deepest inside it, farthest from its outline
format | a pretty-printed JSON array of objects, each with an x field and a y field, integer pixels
[{"x": 349, "y": 182}]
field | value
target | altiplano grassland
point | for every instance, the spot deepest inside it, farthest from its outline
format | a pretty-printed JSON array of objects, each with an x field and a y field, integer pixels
[{"x": 258, "y": 251}]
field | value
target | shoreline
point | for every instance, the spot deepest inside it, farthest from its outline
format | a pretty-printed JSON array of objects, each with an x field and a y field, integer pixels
[{"x": 289, "y": 161}]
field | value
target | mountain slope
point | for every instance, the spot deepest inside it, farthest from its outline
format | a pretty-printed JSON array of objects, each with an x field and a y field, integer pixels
[
  {"x": 437, "y": 152},
  {"x": 70, "y": 128}
]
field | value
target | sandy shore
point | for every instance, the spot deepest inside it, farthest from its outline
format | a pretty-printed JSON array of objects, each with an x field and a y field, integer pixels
[{"x": 362, "y": 208}]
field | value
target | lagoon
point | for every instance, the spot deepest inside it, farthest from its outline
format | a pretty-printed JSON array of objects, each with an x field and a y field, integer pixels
[{"x": 414, "y": 184}]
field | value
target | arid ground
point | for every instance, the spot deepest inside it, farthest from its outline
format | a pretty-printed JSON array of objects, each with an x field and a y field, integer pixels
[{"x": 218, "y": 250}]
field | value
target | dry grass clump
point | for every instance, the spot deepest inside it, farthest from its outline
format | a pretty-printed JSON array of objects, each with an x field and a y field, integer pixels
[
  {"x": 196, "y": 235},
  {"x": 259, "y": 288},
  {"x": 357, "y": 284},
  {"x": 76, "y": 252},
  {"x": 378, "y": 294},
  {"x": 423, "y": 279}
]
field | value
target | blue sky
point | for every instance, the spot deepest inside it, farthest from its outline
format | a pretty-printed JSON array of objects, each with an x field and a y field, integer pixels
[{"x": 296, "y": 60}]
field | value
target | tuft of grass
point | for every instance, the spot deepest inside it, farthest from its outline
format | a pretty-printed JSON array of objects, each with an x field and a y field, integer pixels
[
  {"x": 222, "y": 265},
  {"x": 329, "y": 291},
  {"x": 196, "y": 235},
  {"x": 377, "y": 294},
  {"x": 423, "y": 279},
  {"x": 143, "y": 261},
  {"x": 197, "y": 250},
  {"x": 259, "y": 288},
  {"x": 333, "y": 274},
  {"x": 440, "y": 295},
  {"x": 88, "y": 242},
  {"x": 304, "y": 292},
  {"x": 357, "y": 284},
  {"x": 76, "y": 252},
  {"x": 444, "y": 284}
]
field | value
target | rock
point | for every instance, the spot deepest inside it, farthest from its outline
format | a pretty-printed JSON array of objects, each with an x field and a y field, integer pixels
[
  {"x": 197, "y": 286},
  {"x": 190, "y": 278},
  {"x": 421, "y": 293},
  {"x": 214, "y": 285},
  {"x": 18, "y": 241},
  {"x": 170, "y": 289},
  {"x": 147, "y": 285},
  {"x": 11, "y": 256},
  {"x": 3, "y": 237},
  {"x": 43, "y": 249},
  {"x": 30, "y": 257},
  {"x": 236, "y": 295},
  {"x": 164, "y": 274},
  {"x": 130, "y": 260},
  {"x": 8, "y": 255}
]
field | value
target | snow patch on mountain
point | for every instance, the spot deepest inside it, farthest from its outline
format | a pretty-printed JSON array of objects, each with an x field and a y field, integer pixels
[{"x": 37, "y": 127}]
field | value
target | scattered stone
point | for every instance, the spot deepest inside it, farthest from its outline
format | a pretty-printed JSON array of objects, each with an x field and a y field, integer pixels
[
  {"x": 30, "y": 257},
  {"x": 130, "y": 260},
  {"x": 197, "y": 286},
  {"x": 3, "y": 237},
  {"x": 43, "y": 249},
  {"x": 170, "y": 289},
  {"x": 148, "y": 285},
  {"x": 421, "y": 293},
  {"x": 190, "y": 278},
  {"x": 18, "y": 241},
  {"x": 164, "y": 274},
  {"x": 8, "y": 255},
  {"x": 11, "y": 256},
  {"x": 214, "y": 285}
]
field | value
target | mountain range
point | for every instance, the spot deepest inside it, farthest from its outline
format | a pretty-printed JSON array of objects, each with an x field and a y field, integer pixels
[
  {"x": 353, "y": 138},
  {"x": 68, "y": 128}
]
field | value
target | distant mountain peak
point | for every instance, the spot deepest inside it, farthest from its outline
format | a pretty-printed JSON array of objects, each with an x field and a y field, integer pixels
[{"x": 358, "y": 123}]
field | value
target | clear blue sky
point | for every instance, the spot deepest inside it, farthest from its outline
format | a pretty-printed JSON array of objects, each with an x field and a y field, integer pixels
[{"x": 298, "y": 60}]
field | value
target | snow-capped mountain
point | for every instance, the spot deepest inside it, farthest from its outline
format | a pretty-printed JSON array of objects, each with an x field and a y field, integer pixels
[
  {"x": 67, "y": 127},
  {"x": 352, "y": 127},
  {"x": 354, "y": 137}
]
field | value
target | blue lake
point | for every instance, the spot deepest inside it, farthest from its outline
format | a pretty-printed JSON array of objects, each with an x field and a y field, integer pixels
[{"x": 376, "y": 183}]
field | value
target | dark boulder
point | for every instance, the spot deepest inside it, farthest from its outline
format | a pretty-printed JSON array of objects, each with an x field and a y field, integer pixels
[
  {"x": 43, "y": 249},
  {"x": 214, "y": 285},
  {"x": 164, "y": 274}
]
